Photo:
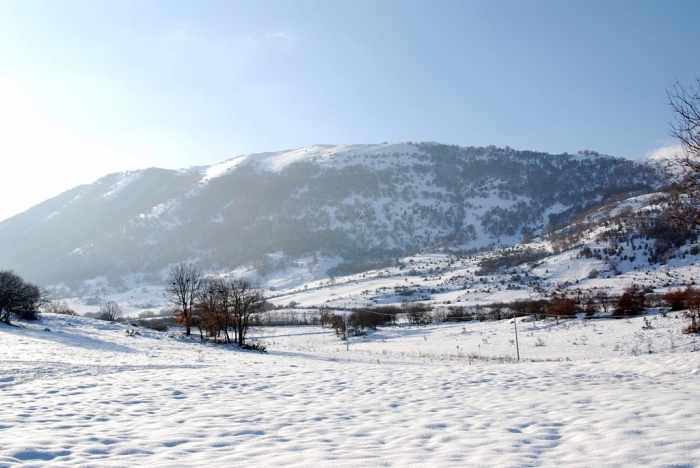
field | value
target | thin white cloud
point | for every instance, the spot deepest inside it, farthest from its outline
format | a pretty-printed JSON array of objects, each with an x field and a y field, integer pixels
[
  {"x": 665, "y": 152},
  {"x": 249, "y": 46},
  {"x": 179, "y": 34},
  {"x": 282, "y": 39}
]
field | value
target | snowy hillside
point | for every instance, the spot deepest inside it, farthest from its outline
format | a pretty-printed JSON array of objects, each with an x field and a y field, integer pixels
[
  {"x": 81, "y": 392},
  {"x": 364, "y": 204},
  {"x": 600, "y": 254}
]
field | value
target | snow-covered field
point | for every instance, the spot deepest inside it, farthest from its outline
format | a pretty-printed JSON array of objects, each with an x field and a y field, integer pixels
[{"x": 80, "y": 392}]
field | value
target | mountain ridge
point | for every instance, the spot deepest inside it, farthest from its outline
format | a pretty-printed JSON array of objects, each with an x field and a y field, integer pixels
[{"x": 359, "y": 202}]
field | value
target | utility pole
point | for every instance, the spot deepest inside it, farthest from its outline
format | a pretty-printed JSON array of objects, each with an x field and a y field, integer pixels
[
  {"x": 517, "y": 346},
  {"x": 347, "y": 337}
]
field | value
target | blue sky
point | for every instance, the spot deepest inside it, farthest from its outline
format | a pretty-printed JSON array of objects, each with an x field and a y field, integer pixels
[{"x": 92, "y": 87}]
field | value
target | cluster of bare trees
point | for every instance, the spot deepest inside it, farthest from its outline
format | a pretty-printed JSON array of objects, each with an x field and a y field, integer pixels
[
  {"x": 228, "y": 305},
  {"x": 222, "y": 309},
  {"x": 18, "y": 297}
]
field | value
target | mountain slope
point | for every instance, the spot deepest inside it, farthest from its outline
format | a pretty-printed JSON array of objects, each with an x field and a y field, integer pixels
[{"x": 364, "y": 203}]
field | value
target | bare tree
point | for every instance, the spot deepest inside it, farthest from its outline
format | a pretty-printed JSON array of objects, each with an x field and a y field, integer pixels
[
  {"x": 246, "y": 302},
  {"x": 184, "y": 282},
  {"x": 603, "y": 299},
  {"x": 110, "y": 311},
  {"x": 685, "y": 167}
]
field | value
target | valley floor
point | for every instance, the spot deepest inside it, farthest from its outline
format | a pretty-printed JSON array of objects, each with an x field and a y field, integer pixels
[{"x": 86, "y": 394}]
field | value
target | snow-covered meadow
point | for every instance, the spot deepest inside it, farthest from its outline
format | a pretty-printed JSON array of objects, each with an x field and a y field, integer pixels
[{"x": 80, "y": 392}]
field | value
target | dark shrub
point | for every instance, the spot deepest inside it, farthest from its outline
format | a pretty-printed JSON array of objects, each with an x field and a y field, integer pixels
[
  {"x": 417, "y": 313},
  {"x": 562, "y": 306},
  {"x": 680, "y": 299},
  {"x": 457, "y": 314},
  {"x": 255, "y": 346},
  {"x": 631, "y": 302}
]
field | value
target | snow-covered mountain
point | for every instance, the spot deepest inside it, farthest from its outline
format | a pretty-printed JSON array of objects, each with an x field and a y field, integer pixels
[{"x": 363, "y": 204}]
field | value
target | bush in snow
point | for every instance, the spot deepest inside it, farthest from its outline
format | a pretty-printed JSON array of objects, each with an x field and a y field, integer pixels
[
  {"x": 457, "y": 314},
  {"x": 535, "y": 307},
  {"x": 693, "y": 306},
  {"x": 631, "y": 302},
  {"x": 371, "y": 318},
  {"x": 255, "y": 346},
  {"x": 110, "y": 311},
  {"x": 694, "y": 326},
  {"x": 563, "y": 306},
  {"x": 337, "y": 323},
  {"x": 157, "y": 323},
  {"x": 680, "y": 299},
  {"x": 58, "y": 307},
  {"x": 417, "y": 313}
]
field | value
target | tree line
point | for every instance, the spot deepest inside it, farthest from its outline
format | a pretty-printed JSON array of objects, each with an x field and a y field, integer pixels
[{"x": 633, "y": 301}]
